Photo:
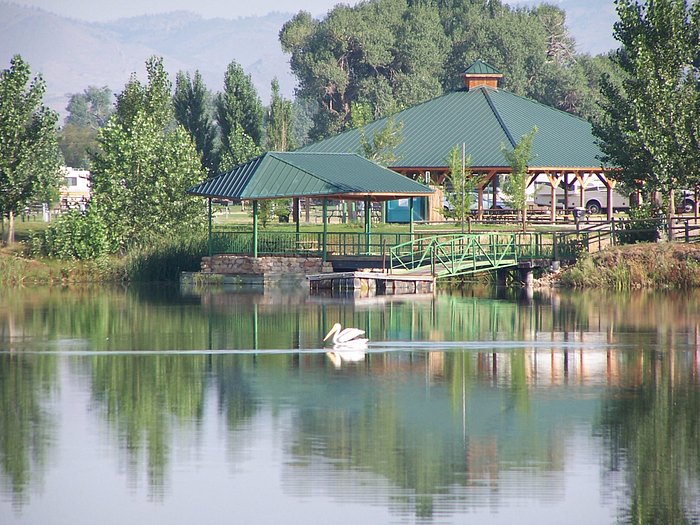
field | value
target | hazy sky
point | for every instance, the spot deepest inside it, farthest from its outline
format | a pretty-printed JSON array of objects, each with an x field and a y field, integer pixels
[
  {"x": 590, "y": 21},
  {"x": 100, "y": 10}
]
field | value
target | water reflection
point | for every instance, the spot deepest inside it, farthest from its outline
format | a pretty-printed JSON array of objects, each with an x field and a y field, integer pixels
[{"x": 464, "y": 402}]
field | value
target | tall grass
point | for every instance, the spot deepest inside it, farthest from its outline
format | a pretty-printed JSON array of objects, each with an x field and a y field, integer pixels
[
  {"x": 646, "y": 265},
  {"x": 164, "y": 259},
  {"x": 13, "y": 269}
]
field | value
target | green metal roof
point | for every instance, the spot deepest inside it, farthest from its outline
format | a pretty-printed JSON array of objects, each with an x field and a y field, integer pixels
[
  {"x": 275, "y": 175},
  {"x": 481, "y": 68},
  {"x": 482, "y": 118}
]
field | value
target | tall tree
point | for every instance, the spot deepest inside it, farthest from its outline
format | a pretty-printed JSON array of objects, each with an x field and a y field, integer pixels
[
  {"x": 516, "y": 183},
  {"x": 145, "y": 165},
  {"x": 239, "y": 114},
  {"x": 381, "y": 147},
  {"x": 87, "y": 113},
  {"x": 154, "y": 98},
  {"x": 91, "y": 108},
  {"x": 193, "y": 110},
  {"x": 646, "y": 128},
  {"x": 29, "y": 155},
  {"x": 459, "y": 185},
  {"x": 390, "y": 54},
  {"x": 280, "y": 121}
]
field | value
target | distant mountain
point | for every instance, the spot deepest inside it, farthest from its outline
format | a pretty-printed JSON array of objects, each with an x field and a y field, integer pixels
[{"x": 71, "y": 54}]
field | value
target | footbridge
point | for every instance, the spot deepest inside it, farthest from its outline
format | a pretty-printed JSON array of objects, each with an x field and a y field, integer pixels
[{"x": 462, "y": 254}]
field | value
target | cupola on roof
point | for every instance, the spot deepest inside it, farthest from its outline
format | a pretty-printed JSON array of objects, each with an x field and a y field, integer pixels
[{"x": 481, "y": 74}]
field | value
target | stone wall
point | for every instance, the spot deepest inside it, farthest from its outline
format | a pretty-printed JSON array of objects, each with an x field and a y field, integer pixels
[{"x": 227, "y": 264}]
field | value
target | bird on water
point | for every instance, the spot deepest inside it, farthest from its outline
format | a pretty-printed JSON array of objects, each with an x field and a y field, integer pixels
[{"x": 346, "y": 338}]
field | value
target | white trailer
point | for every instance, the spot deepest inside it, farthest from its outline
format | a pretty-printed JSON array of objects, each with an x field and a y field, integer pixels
[{"x": 595, "y": 198}]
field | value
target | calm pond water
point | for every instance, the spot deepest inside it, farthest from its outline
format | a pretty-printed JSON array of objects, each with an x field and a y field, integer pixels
[{"x": 155, "y": 406}]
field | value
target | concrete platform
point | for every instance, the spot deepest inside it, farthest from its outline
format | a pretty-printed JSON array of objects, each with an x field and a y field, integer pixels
[{"x": 371, "y": 283}]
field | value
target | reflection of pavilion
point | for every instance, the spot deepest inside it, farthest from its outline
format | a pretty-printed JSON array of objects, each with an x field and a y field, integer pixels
[{"x": 456, "y": 432}]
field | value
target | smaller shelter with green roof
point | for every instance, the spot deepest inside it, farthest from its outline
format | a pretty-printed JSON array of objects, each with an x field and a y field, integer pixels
[{"x": 279, "y": 175}]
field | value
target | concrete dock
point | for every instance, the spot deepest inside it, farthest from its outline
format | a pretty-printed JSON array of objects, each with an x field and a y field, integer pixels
[{"x": 371, "y": 283}]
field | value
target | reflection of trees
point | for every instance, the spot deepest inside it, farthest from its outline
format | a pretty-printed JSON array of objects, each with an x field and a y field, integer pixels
[
  {"x": 26, "y": 428},
  {"x": 652, "y": 431},
  {"x": 234, "y": 392},
  {"x": 374, "y": 437},
  {"x": 144, "y": 397}
]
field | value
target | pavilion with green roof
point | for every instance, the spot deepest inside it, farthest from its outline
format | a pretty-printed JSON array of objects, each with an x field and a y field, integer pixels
[
  {"x": 318, "y": 175},
  {"x": 485, "y": 118}
]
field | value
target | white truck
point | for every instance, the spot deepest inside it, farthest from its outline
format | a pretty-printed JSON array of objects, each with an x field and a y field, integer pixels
[{"x": 595, "y": 198}]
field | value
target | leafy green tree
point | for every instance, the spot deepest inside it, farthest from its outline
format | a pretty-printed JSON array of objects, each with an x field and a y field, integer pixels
[
  {"x": 384, "y": 55},
  {"x": 380, "y": 148},
  {"x": 280, "y": 121},
  {"x": 516, "y": 183},
  {"x": 239, "y": 112},
  {"x": 420, "y": 54},
  {"x": 29, "y": 154},
  {"x": 279, "y": 137},
  {"x": 76, "y": 143},
  {"x": 145, "y": 165},
  {"x": 87, "y": 113},
  {"x": 73, "y": 235},
  {"x": 193, "y": 110},
  {"x": 303, "y": 113},
  {"x": 241, "y": 149},
  {"x": 646, "y": 128},
  {"x": 154, "y": 98},
  {"x": 458, "y": 186},
  {"x": 91, "y": 108}
]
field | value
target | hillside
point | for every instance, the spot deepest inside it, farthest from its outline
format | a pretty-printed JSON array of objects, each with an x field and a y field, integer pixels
[{"x": 72, "y": 54}]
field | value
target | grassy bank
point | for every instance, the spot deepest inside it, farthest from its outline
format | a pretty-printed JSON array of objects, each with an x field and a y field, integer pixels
[
  {"x": 16, "y": 269},
  {"x": 160, "y": 261},
  {"x": 648, "y": 265}
]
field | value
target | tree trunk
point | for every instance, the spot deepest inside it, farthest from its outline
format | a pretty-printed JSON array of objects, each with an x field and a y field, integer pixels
[
  {"x": 11, "y": 228},
  {"x": 669, "y": 215}
]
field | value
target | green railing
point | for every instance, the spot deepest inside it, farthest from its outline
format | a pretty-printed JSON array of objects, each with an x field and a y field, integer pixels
[
  {"x": 410, "y": 247},
  {"x": 457, "y": 254},
  {"x": 310, "y": 243}
]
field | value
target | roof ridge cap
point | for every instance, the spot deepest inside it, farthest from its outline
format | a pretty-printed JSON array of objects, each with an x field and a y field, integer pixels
[
  {"x": 323, "y": 179},
  {"x": 500, "y": 120}
]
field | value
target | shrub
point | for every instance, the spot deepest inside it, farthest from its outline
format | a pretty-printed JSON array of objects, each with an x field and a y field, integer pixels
[
  {"x": 644, "y": 225},
  {"x": 73, "y": 235}
]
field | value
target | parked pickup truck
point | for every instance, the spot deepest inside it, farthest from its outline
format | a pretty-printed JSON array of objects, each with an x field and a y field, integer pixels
[{"x": 595, "y": 198}]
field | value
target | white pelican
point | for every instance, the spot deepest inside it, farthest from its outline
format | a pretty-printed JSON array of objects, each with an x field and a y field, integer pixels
[{"x": 348, "y": 338}]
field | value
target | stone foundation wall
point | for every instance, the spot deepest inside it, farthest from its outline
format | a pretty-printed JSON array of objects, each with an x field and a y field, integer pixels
[{"x": 245, "y": 265}]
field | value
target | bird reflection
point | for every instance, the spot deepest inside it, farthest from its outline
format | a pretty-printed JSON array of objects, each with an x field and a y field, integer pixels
[{"x": 340, "y": 358}]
